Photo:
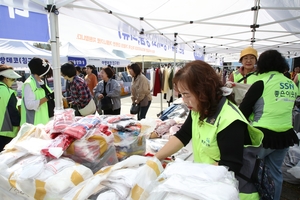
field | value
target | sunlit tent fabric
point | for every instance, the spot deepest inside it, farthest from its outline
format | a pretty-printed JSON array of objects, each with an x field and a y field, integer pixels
[
  {"x": 97, "y": 56},
  {"x": 107, "y": 58},
  {"x": 216, "y": 28},
  {"x": 17, "y": 54}
]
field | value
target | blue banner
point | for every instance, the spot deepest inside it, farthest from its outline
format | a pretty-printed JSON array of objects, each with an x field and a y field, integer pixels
[
  {"x": 13, "y": 60},
  {"x": 23, "y": 25},
  {"x": 81, "y": 62}
]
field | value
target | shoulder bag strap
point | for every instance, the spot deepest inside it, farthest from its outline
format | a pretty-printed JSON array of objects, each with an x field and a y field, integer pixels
[{"x": 249, "y": 74}]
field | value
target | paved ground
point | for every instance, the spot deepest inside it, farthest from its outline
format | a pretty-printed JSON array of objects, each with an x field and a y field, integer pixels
[
  {"x": 290, "y": 192},
  {"x": 157, "y": 105}
]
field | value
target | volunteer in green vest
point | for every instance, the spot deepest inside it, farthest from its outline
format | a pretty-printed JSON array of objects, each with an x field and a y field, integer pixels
[
  {"x": 9, "y": 113},
  {"x": 271, "y": 100},
  {"x": 218, "y": 129},
  {"x": 37, "y": 105},
  {"x": 248, "y": 58}
]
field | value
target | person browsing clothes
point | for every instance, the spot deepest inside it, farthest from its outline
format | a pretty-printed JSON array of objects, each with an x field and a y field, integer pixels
[
  {"x": 80, "y": 97},
  {"x": 140, "y": 90},
  {"x": 111, "y": 88}
]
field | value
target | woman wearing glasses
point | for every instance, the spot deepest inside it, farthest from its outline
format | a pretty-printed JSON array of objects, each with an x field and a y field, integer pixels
[{"x": 9, "y": 114}]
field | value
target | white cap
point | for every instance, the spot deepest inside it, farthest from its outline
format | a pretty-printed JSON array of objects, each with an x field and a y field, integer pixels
[{"x": 9, "y": 73}]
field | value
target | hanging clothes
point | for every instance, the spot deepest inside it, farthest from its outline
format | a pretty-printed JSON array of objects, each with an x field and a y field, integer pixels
[{"x": 157, "y": 83}]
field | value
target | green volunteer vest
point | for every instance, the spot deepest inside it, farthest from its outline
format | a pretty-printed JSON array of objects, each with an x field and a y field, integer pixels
[
  {"x": 238, "y": 76},
  {"x": 7, "y": 129},
  {"x": 39, "y": 116},
  {"x": 204, "y": 137},
  {"x": 279, "y": 92}
]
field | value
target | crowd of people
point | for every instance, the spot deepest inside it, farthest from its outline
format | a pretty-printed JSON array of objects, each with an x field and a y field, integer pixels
[{"x": 219, "y": 129}]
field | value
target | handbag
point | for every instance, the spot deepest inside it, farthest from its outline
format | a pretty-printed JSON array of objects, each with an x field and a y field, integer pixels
[
  {"x": 254, "y": 171},
  {"x": 89, "y": 109},
  {"x": 106, "y": 103},
  {"x": 239, "y": 91},
  {"x": 135, "y": 108}
]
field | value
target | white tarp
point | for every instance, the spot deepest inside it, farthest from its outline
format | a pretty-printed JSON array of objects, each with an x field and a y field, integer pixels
[
  {"x": 17, "y": 54},
  {"x": 96, "y": 56},
  {"x": 91, "y": 36},
  {"x": 217, "y": 27}
]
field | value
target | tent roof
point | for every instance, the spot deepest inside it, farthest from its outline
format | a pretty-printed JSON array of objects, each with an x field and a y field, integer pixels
[
  {"x": 70, "y": 49},
  {"x": 215, "y": 27},
  {"x": 22, "y": 48},
  {"x": 101, "y": 52}
]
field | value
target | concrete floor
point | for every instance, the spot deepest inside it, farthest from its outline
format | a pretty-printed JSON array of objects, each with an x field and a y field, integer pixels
[{"x": 158, "y": 104}]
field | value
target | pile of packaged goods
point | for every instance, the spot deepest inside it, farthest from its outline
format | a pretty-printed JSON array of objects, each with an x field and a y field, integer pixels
[{"x": 95, "y": 157}]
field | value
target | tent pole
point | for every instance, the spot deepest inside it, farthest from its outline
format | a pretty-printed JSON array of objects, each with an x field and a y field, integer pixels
[
  {"x": 143, "y": 65},
  {"x": 173, "y": 68},
  {"x": 54, "y": 41}
]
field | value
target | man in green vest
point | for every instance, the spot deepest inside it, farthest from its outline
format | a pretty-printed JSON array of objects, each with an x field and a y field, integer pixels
[
  {"x": 37, "y": 98},
  {"x": 218, "y": 129},
  {"x": 9, "y": 114}
]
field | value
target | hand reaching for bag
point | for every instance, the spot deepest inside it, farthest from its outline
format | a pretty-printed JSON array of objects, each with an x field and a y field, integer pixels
[{"x": 50, "y": 96}]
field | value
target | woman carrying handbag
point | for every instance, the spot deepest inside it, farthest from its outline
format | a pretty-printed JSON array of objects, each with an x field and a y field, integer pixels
[
  {"x": 140, "y": 90},
  {"x": 108, "y": 93}
]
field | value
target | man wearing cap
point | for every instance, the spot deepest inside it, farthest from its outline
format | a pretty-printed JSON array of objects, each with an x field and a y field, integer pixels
[
  {"x": 9, "y": 114},
  {"x": 248, "y": 58},
  {"x": 37, "y": 98}
]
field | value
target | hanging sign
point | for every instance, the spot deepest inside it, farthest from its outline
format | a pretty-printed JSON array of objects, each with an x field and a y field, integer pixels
[{"x": 19, "y": 24}]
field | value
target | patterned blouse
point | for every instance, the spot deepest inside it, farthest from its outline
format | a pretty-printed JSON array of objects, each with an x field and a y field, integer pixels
[{"x": 80, "y": 94}]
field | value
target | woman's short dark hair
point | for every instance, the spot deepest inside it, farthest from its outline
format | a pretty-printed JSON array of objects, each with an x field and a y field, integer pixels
[
  {"x": 78, "y": 69},
  {"x": 108, "y": 71},
  {"x": 68, "y": 69},
  {"x": 135, "y": 68},
  {"x": 271, "y": 60},
  {"x": 91, "y": 66},
  {"x": 204, "y": 83}
]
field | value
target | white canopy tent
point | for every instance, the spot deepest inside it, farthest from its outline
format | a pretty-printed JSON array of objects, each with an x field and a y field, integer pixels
[
  {"x": 215, "y": 27},
  {"x": 18, "y": 54},
  {"x": 107, "y": 58},
  {"x": 96, "y": 56},
  {"x": 222, "y": 27}
]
